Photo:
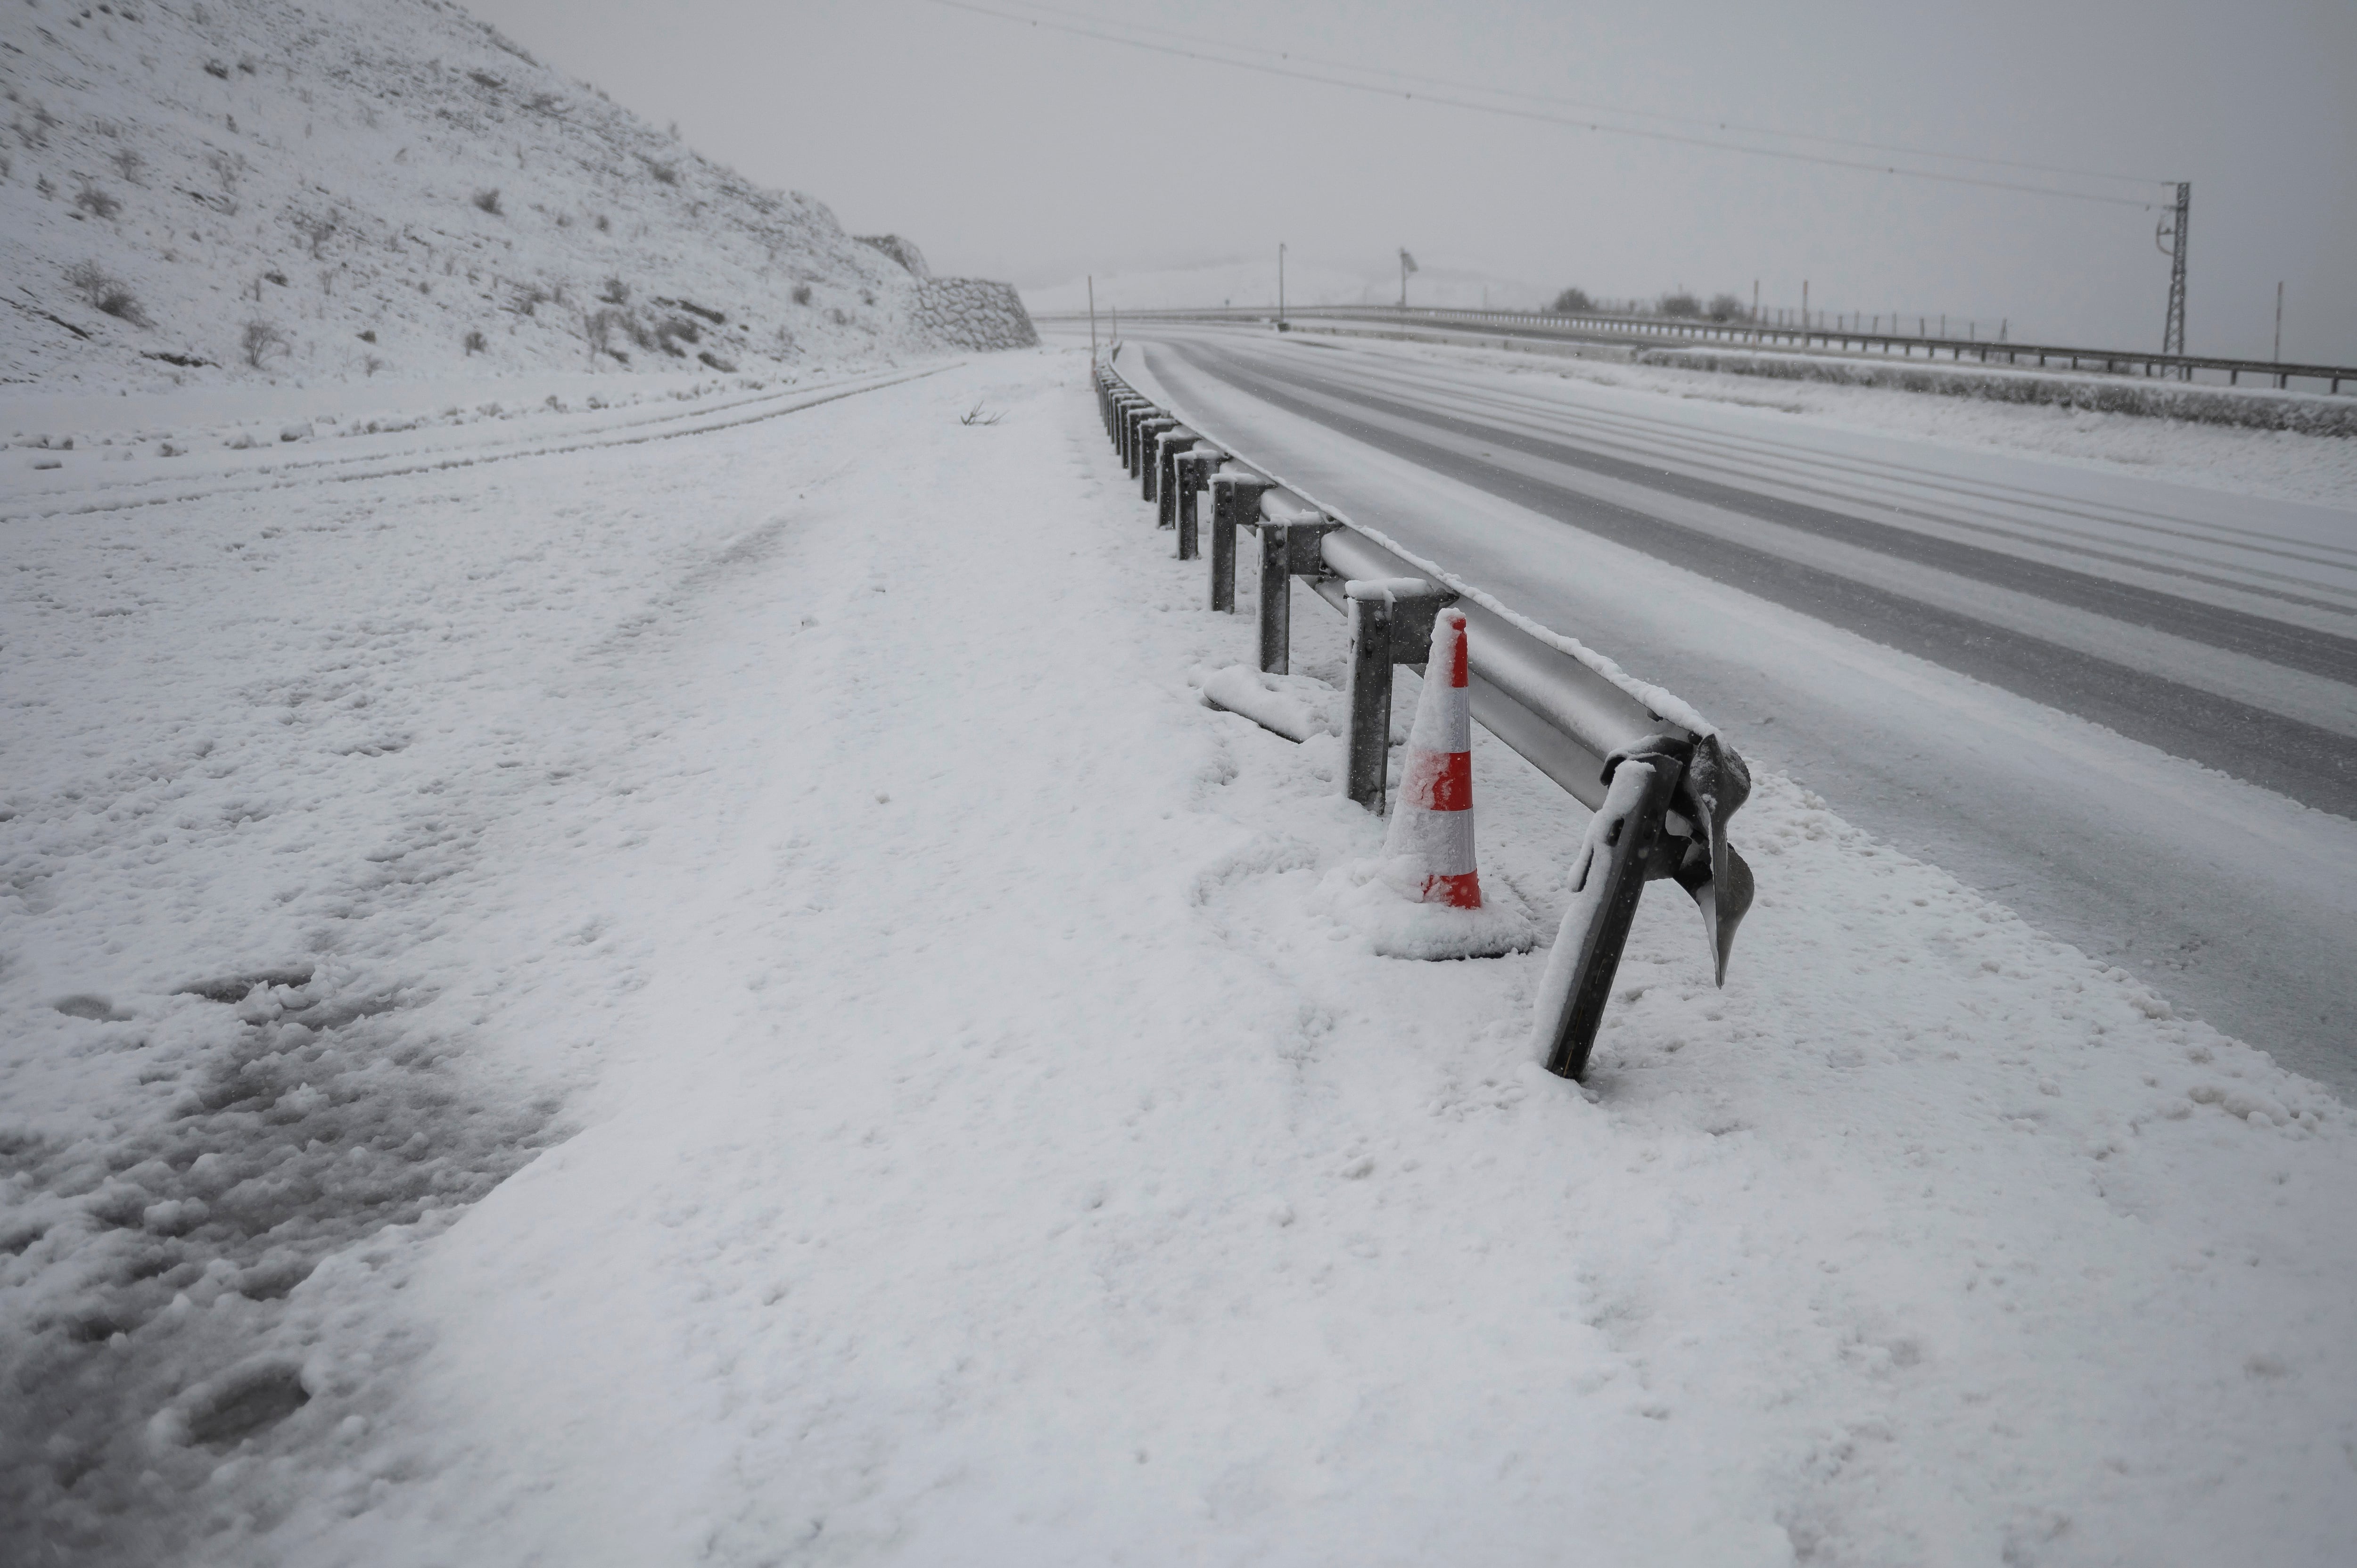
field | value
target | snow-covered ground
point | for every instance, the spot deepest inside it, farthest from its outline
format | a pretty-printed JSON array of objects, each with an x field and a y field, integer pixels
[{"x": 579, "y": 998}]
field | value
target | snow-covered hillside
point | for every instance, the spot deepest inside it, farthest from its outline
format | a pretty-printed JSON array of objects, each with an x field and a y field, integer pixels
[{"x": 244, "y": 190}]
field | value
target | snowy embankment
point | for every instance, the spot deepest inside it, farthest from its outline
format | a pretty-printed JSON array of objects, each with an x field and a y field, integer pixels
[
  {"x": 250, "y": 191},
  {"x": 2307, "y": 411},
  {"x": 965, "y": 1131}
]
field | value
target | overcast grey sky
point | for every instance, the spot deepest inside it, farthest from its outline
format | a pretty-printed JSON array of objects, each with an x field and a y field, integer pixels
[{"x": 1015, "y": 152}]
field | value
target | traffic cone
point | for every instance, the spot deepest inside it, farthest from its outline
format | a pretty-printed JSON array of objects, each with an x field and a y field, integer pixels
[{"x": 1432, "y": 820}]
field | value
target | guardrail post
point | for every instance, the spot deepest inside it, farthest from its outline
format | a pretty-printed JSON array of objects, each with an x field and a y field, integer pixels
[
  {"x": 1138, "y": 409},
  {"x": 1235, "y": 498},
  {"x": 1123, "y": 404},
  {"x": 1132, "y": 409},
  {"x": 1275, "y": 600},
  {"x": 1139, "y": 412},
  {"x": 1289, "y": 548},
  {"x": 1368, "y": 698},
  {"x": 1391, "y": 624},
  {"x": 1167, "y": 444},
  {"x": 1141, "y": 455},
  {"x": 1616, "y": 858},
  {"x": 1192, "y": 475}
]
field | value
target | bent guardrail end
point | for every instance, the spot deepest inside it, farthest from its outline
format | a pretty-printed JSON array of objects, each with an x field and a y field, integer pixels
[{"x": 1716, "y": 783}]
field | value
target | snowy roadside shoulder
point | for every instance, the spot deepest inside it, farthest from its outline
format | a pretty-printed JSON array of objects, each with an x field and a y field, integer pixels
[
  {"x": 320, "y": 813},
  {"x": 1012, "y": 1156}
]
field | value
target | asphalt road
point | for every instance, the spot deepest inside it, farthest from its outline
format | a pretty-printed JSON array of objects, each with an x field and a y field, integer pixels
[{"x": 2127, "y": 710}]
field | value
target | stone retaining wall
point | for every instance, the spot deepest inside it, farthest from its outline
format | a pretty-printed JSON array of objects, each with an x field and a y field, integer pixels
[{"x": 972, "y": 312}]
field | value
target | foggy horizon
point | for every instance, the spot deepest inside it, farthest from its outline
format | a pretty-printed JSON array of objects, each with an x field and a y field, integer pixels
[{"x": 986, "y": 142}]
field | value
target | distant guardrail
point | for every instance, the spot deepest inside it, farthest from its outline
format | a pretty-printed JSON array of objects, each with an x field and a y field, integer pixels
[
  {"x": 1661, "y": 781},
  {"x": 1603, "y": 327}
]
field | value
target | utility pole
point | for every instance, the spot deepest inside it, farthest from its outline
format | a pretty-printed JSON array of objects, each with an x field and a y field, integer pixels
[
  {"x": 1280, "y": 285},
  {"x": 2279, "y": 322},
  {"x": 1804, "y": 311},
  {"x": 1093, "y": 318},
  {"x": 2172, "y": 229}
]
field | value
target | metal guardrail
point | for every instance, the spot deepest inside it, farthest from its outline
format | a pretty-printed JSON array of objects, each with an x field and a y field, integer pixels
[
  {"x": 1610, "y": 328},
  {"x": 1662, "y": 784}
]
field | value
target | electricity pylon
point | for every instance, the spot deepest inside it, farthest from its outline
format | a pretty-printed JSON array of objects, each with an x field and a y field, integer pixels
[{"x": 2172, "y": 229}]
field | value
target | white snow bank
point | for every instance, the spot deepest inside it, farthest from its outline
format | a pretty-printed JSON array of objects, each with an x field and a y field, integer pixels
[{"x": 989, "y": 1149}]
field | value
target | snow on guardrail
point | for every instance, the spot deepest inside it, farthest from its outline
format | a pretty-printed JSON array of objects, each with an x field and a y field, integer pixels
[{"x": 1659, "y": 779}]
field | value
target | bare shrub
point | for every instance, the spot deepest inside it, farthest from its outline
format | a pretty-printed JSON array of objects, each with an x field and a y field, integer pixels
[
  {"x": 217, "y": 68},
  {"x": 977, "y": 415},
  {"x": 801, "y": 293},
  {"x": 725, "y": 367},
  {"x": 834, "y": 314},
  {"x": 476, "y": 343},
  {"x": 260, "y": 342},
  {"x": 319, "y": 231},
  {"x": 604, "y": 223},
  {"x": 489, "y": 201},
  {"x": 89, "y": 198},
  {"x": 1572, "y": 302},
  {"x": 129, "y": 164},
  {"x": 374, "y": 364},
  {"x": 598, "y": 328},
  {"x": 665, "y": 173},
  {"x": 102, "y": 290},
  {"x": 528, "y": 297},
  {"x": 616, "y": 292},
  {"x": 484, "y": 80}
]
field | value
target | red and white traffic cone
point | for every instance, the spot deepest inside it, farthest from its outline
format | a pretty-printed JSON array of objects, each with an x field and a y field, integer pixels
[{"x": 1431, "y": 817}]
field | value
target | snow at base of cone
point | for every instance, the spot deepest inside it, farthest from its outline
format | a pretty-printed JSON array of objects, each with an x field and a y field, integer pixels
[{"x": 1391, "y": 905}]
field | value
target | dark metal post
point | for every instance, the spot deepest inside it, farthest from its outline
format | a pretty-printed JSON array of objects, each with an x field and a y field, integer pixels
[
  {"x": 1369, "y": 700},
  {"x": 1275, "y": 600},
  {"x": 1161, "y": 488},
  {"x": 1192, "y": 476},
  {"x": 1621, "y": 844},
  {"x": 1130, "y": 418},
  {"x": 1235, "y": 498},
  {"x": 1141, "y": 456}
]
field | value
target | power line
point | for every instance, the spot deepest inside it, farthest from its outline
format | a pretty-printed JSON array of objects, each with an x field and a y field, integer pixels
[
  {"x": 1293, "y": 73},
  {"x": 1290, "y": 57}
]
